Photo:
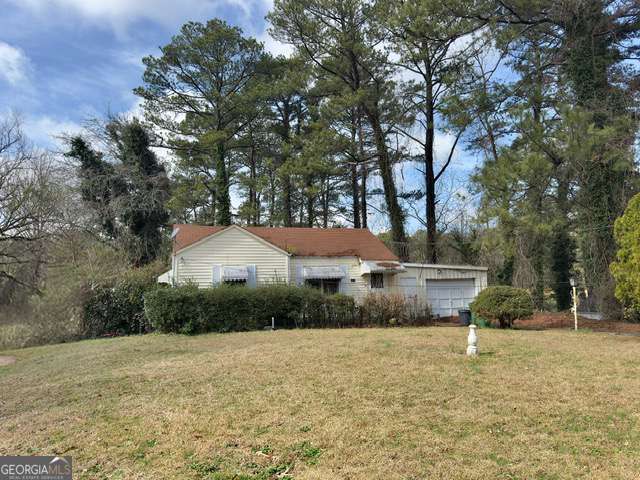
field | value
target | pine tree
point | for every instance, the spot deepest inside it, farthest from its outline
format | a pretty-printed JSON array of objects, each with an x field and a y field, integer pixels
[
  {"x": 337, "y": 36},
  {"x": 200, "y": 91}
]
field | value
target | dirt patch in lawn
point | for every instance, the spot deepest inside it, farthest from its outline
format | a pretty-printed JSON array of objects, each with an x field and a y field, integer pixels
[
  {"x": 547, "y": 320},
  {"x": 6, "y": 360}
]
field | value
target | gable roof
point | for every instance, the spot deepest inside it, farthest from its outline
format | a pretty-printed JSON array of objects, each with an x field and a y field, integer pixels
[{"x": 305, "y": 242}]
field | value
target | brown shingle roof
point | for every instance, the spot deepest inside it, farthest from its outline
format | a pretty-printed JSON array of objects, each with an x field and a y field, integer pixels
[{"x": 312, "y": 242}]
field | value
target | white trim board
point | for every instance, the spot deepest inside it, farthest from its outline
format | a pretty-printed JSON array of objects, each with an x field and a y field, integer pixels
[{"x": 436, "y": 266}]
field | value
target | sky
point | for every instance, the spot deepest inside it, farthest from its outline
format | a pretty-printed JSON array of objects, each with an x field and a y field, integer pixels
[{"x": 64, "y": 61}]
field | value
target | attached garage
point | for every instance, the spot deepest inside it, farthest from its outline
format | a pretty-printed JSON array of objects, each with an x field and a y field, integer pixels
[
  {"x": 446, "y": 297},
  {"x": 446, "y": 288}
]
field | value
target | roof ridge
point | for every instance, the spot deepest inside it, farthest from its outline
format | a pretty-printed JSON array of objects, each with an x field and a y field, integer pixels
[
  {"x": 274, "y": 228},
  {"x": 300, "y": 241}
]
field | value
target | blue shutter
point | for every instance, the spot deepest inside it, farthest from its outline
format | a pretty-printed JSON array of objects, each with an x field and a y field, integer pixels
[
  {"x": 252, "y": 281},
  {"x": 299, "y": 275},
  {"x": 345, "y": 279},
  {"x": 216, "y": 276}
]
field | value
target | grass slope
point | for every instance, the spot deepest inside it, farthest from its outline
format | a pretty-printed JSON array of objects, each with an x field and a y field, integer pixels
[{"x": 344, "y": 404}]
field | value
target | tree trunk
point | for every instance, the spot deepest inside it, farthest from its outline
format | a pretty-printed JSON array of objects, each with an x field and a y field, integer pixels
[
  {"x": 325, "y": 204},
  {"x": 363, "y": 195},
  {"x": 253, "y": 194},
  {"x": 286, "y": 201},
  {"x": 429, "y": 175},
  {"x": 310, "y": 211},
  {"x": 538, "y": 269},
  {"x": 272, "y": 199},
  {"x": 223, "y": 200},
  {"x": 363, "y": 174},
  {"x": 539, "y": 240},
  {"x": 396, "y": 215},
  {"x": 287, "y": 204},
  {"x": 562, "y": 246},
  {"x": 355, "y": 193}
]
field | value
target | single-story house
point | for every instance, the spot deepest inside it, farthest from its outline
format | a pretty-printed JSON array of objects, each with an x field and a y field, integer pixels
[{"x": 350, "y": 261}]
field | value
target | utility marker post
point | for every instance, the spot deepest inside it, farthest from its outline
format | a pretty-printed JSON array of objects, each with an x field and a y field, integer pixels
[{"x": 574, "y": 295}]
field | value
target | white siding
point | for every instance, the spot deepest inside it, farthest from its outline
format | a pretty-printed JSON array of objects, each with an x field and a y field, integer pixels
[
  {"x": 235, "y": 246},
  {"x": 357, "y": 289},
  {"x": 231, "y": 247},
  {"x": 420, "y": 274}
]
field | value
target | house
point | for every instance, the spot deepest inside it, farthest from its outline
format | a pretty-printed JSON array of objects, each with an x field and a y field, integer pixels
[{"x": 350, "y": 261}]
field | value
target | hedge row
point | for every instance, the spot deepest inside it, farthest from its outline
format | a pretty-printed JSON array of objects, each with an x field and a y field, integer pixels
[
  {"x": 227, "y": 308},
  {"x": 231, "y": 308}
]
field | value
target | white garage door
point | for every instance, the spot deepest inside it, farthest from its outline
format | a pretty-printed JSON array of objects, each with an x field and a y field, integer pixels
[{"x": 447, "y": 296}]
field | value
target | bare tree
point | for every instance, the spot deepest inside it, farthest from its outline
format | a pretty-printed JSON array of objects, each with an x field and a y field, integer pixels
[{"x": 28, "y": 209}]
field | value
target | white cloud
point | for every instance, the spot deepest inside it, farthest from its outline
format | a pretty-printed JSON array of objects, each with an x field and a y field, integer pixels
[
  {"x": 14, "y": 64},
  {"x": 121, "y": 13},
  {"x": 136, "y": 109},
  {"x": 273, "y": 46},
  {"x": 45, "y": 131}
]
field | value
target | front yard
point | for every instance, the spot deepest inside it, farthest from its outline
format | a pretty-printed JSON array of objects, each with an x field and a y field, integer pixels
[{"x": 324, "y": 404}]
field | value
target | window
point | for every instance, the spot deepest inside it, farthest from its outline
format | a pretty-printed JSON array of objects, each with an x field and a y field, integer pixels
[
  {"x": 314, "y": 283},
  {"x": 330, "y": 286},
  {"x": 327, "y": 285},
  {"x": 236, "y": 275},
  {"x": 377, "y": 280}
]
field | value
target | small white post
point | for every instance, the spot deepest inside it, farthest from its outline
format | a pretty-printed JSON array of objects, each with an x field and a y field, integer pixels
[
  {"x": 574, "y": 295},
  {"x": 472, "y": 341},
  {"x": 273, "y": 324}
]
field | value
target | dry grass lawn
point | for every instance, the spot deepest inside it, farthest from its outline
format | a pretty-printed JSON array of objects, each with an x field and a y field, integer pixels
[{"x": 331, "y": 404}]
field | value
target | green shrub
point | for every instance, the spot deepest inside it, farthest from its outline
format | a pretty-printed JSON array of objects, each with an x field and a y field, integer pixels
[
  {"x": 503, "y": 305},
  {"x": 191, "y": 310},
  {"x": 118, "y": 309},
  {"x": 627, "y": 264},
  {"x": 480, "y": 321}
]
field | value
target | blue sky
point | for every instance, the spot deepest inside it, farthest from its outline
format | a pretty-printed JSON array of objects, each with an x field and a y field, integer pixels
[{"x": 62, "y": 61}]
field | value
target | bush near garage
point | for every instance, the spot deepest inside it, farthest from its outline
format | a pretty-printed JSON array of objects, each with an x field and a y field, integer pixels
[{"x": 503, "y": 305}]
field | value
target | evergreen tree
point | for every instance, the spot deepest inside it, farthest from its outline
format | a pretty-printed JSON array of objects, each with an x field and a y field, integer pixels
[
  {"x": 99, "y": 184},
  {"x": 200, "y": 91},
  {"x": 128, "y": 192},
  {"x": 141, "y": 208},
  {"x": 592, "y": 41},
  {"x": 427, "y": 37},
  {"x": 339, "y": 38}
]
